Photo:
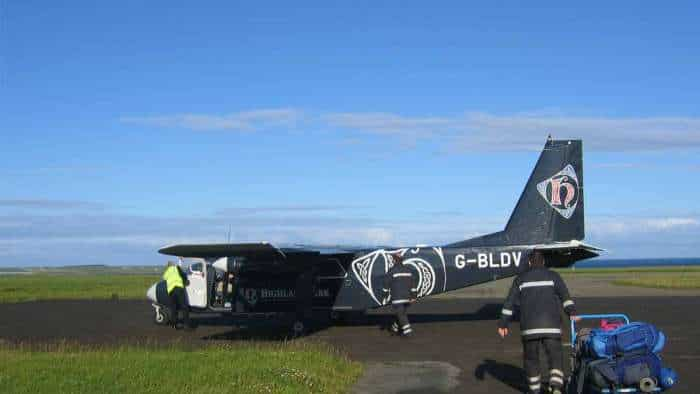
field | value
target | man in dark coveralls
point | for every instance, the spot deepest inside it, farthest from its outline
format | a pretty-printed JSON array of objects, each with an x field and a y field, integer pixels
[
  {"x": 541, "y": 294},
  {"x": 399, "y": 282}
]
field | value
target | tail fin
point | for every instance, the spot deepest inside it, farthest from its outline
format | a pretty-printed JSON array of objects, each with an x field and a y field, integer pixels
[{"x": 550, "y": 209}]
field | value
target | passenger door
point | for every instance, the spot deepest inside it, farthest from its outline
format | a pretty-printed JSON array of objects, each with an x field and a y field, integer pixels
[
  {"x": 197, "y": 289},
  {"x": 331, "y": 275}
]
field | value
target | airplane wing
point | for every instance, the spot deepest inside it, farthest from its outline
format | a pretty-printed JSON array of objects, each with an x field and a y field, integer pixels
[
  {"x": 252, "y": 251},
  {"x": 260, "y": 256},
  {"x": 258, "y": 250}
]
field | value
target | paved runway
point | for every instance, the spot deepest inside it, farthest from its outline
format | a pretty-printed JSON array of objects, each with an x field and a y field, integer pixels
[{"x": 457, "y": 333}]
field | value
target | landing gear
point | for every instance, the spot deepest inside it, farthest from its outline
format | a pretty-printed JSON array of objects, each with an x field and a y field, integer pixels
[
  {"x": 298, "y": 328},
  {"x": 160, "y": 316}
]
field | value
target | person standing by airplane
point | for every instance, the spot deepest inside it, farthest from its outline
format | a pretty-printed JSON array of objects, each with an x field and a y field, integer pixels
[
  {"x": 399, "y": 283},
  {"x": 541, "y": 294},
  {"x": 176, "y": 281}
]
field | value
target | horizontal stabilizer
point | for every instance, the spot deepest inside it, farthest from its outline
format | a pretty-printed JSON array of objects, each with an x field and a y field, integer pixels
[
  {"x": 574, "y": 244},
  {"x": 565, "y": 254}
]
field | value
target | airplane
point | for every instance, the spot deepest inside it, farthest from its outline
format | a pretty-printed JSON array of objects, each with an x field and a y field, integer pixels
[{"x": 548, "y": 217}]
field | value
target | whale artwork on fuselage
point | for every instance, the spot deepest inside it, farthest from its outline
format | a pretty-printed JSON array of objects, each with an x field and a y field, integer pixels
[{"x": 260, "y": 277}]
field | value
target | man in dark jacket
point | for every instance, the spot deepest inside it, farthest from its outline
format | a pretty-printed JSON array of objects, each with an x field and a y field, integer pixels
[
  {"x": 541, "y": 294},
  {"x": 399, "y": 283}
]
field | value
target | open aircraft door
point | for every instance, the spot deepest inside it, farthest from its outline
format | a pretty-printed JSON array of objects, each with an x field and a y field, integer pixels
[{"x": 197, "y": 289}]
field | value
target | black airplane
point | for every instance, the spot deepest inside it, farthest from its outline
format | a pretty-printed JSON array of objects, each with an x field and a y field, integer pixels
[{"x": 251, "y": 278}]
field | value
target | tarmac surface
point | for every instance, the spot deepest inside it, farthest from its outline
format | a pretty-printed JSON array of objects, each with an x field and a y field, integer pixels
[{"x": 455, "y": 347}]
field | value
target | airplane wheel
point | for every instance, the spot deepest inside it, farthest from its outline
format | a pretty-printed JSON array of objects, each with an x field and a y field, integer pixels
[{"x": 160, "y": 317}]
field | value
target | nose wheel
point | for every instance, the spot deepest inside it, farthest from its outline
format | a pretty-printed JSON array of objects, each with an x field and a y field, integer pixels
[
  {"x": 298, "y": 328},
  {"x": 160, "y": 317}
]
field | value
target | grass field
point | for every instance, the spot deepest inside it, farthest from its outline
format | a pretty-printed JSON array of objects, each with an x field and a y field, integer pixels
[
  {"x": 682, "y": 277},
  {"x": 628, "y": 270},
  {"x": 237, "y": 368},
  {"x": 685, "y": 280},
  {"x": 18, "y": 288}
]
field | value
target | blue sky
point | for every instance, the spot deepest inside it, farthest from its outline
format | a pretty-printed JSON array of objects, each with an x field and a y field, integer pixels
[{"x": 125, "y": 126}]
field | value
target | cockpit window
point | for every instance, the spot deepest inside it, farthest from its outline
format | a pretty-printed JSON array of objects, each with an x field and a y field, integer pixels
[
  {"x": 331, "y": 269},
  {"x": 197, "y": 267}
]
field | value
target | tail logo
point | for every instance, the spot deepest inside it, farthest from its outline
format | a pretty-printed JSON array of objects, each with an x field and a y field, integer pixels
[{"x": 561, "y": 191}]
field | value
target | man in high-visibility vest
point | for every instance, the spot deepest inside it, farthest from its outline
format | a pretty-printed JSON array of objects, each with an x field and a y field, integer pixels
[{"x": 176, "y": 282}]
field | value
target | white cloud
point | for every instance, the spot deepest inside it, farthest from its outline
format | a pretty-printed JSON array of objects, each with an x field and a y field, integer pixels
[
  {"x": 285, "y": 209},
  {"x": 616, "y": 226},
  {"x": 617, "y": 165},
  {"x": 463, "y": 132},
  {"x": 484, "y": 131},
  {"x": 669, "y": 223},
  {"x": 239, "y": 121},
  {"x": 49, "y": 204},
  {"x": 390, "y": 124}
]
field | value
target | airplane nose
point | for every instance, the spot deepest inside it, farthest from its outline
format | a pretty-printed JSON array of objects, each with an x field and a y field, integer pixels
[{"x": 151, "y": 293}]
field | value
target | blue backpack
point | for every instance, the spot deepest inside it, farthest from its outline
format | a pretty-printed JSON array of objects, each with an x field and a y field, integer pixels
[{"x": 633, "y": 338}]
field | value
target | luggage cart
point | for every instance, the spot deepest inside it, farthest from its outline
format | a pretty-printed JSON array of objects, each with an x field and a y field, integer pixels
[{"x": 576, "y": 364}]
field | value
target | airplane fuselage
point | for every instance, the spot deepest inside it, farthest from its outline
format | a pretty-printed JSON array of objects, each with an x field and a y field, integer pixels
[{"x": 353, "y": 282}]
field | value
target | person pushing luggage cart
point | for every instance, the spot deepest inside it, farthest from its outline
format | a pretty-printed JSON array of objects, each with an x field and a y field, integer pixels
[{"x": 541, "y": 294}]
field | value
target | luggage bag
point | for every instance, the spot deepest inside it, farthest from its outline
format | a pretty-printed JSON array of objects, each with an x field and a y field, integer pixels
[{"x": 621, "y": 359}]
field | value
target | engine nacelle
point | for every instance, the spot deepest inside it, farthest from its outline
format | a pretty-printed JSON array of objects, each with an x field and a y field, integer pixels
[{"x": 229, "y": 264}]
